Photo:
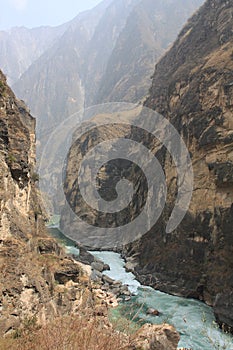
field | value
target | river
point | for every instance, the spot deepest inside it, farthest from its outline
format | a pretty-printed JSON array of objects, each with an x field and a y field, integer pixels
[{"x": 193, "y": 319}]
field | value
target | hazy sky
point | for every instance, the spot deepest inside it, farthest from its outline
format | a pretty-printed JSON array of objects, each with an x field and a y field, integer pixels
[{"x": 33, "y": 13}]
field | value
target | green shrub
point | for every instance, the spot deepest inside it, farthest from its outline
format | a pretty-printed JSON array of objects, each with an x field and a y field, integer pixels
[
  {"x": 35, "y": 177},
  {"x": 11, "y": 158}
]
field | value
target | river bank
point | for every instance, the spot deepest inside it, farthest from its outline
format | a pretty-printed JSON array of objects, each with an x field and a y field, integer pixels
[{"x": 193, "y": 319}]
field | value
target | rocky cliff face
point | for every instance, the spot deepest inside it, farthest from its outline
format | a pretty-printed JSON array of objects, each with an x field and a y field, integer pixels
[
  {"x": 193, "y": 88},
  {"x": 18, "y": 194},
  {"x": 34, "y": 269}
]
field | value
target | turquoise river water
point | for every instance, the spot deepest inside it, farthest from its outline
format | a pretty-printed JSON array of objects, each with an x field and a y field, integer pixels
[{"x": 193, "y": 319}]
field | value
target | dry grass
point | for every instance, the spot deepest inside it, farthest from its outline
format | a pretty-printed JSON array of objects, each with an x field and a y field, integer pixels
[
  {"x": 69, "y": 333},
  {"x": 90, "y": 329}
]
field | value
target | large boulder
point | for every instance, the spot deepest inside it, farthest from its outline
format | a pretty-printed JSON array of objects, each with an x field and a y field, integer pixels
[{"x": 155, "y": 337}]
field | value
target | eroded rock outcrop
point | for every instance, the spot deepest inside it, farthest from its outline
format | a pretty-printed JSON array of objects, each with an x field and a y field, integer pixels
[{"x": 37, "y": 281}]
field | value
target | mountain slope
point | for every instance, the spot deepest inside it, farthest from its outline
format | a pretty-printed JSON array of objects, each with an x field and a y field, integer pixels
[
  {"x": 193, "y": 87},
  {"x": 52, "y": 85},
  {"x": 149, "y": 31},
  {"x": 20, "y": 47},
  {"x": 102, "y": 44},
  {"x": 91, "y": 62}
]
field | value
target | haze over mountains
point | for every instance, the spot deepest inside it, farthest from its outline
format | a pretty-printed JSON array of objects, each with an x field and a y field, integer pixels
[
  {"x": 104, "y": 54},
  {"x": 20, "y": 47}
]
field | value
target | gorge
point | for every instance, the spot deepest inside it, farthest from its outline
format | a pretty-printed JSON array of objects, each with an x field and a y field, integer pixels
[
  {"x": 88, "y": 85},
  {"x": 192, "y": 89},
  {"x": 47, "y": 299}
]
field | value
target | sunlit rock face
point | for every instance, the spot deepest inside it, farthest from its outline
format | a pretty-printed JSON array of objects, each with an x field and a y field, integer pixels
[
  {"x": 31, "y": 263},
  {"x": 18, "y": 193}
]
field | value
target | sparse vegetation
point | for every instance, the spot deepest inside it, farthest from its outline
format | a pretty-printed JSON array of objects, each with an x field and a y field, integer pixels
[
  {"x": 11, "y": 158},
  {"x": 35, "y": 177},
  {"x": 79, "y": 332},
  {"x": 2, "y": 87}
]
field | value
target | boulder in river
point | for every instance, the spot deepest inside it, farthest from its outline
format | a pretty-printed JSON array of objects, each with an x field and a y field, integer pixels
[
  {"x": 152, "y": 312},
  {"x": 127, "y": 298},
  {"x": 85, "y": 257}
]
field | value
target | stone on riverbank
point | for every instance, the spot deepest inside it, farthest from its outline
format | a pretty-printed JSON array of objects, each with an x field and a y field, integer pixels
[{"x": 161, "y": 337}]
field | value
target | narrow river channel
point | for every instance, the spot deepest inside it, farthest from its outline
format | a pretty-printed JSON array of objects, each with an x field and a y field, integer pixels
[{"x": 193, "y": 319}]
